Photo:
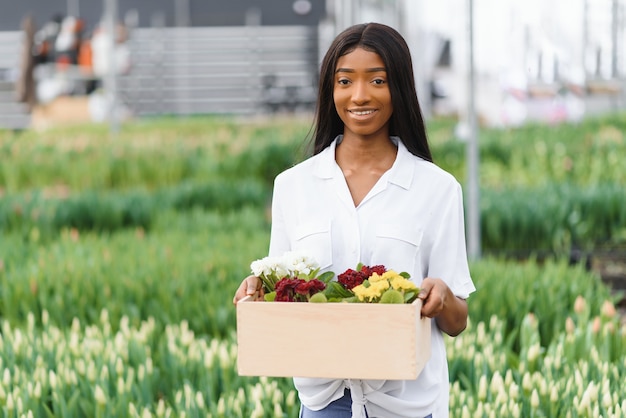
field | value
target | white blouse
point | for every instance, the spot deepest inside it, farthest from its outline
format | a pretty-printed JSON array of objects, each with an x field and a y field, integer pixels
[{"x": 411, "y": 220}]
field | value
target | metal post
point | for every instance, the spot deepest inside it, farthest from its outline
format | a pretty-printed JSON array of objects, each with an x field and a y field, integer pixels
[
  {"x": 73, "y": 8},
  {"x": 473, "y": 210},
  {"x": 182, "y": 13},
  {"x": 585, "y": 49},
  {"x": 110, "y": 80},
  {"x": 614, "y": 38}
]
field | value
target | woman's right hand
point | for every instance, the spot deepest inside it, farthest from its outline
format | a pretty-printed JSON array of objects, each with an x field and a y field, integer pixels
[{"x": 250, "y": 286}]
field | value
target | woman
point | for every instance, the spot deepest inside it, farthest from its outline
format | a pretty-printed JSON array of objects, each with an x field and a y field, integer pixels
[{"x": 371, "y": 194}]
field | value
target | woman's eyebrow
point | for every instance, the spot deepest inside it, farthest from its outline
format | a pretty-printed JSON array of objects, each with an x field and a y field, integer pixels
[{"x": 369, "y": 70}]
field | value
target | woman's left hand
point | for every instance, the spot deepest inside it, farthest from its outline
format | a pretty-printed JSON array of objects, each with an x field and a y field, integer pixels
[{"x": 438, "y": 301}]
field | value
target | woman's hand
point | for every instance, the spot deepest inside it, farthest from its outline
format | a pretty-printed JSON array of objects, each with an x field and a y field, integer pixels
[
  {"x": 250, "y": 286},
  {"x": 450, "y": 312}
]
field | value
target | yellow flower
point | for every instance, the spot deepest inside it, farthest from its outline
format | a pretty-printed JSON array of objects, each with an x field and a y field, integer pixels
[
  {"x": 373, "y": 291},
  {"x": 375, "y": 277},
  {"x": 400, "y": 283}
]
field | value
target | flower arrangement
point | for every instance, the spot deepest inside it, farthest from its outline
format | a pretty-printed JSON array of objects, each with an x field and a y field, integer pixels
[
  {"x": 378, "y": 285},
  {"x": 294, "y": 277}
]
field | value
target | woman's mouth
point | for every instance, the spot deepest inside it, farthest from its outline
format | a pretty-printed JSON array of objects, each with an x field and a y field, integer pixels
[{"x": 361, "y": 112}]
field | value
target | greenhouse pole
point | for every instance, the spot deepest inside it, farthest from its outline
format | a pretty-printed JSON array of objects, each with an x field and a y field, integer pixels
[
  {"x": 110, "y": 80},
  {"x": 473, "y": 205},
  {"x": 73, "y": 8}
]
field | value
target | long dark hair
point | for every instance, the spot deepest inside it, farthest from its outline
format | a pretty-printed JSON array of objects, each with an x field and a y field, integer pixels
[{"x": 406, "y": 121}]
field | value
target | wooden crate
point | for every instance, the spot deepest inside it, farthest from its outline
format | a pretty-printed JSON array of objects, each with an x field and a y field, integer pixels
[{"x": 332, "y": 340}]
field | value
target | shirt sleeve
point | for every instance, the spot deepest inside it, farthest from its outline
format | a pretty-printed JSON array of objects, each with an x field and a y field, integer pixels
[{"x": 448, "y": 257}]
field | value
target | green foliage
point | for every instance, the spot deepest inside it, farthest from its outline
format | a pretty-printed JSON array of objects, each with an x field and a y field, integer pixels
[
  {"x": 511, "y": 290},
  {"x": 119, "y": 258},
  {"x": 224, "y": 195},
  {"x": 185, "y": 268},
  {"x": 554, "y": 189},
  {"x": 98, "y": 212},
  {"x": 147, "y": 155},
  {"x": 552, "y": 219},
  {"x": 110, "y": 211}
]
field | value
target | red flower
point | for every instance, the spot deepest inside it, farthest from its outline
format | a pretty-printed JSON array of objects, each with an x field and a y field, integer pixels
[
  {"x": 310, "y": 287},
  {"x": 379, "y": 269},
  {"x": 352, "y": 278},
  {"x": 297, "y": 290}
]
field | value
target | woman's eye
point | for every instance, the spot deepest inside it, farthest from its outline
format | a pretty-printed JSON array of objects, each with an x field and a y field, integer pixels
[
  {"x": 343, "y": 81},
  {"x": 378, "y": 81}
]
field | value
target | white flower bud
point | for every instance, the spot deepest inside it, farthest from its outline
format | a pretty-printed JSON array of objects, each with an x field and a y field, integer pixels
[
  {"x": 527, "y": 383},
  {"x": 120, "y": 385},
  {"x": 52, "y": 379},
  {"x": 160, "y": 410},
  {"x": 119, "y": 366},
  {"x": 465, "y": 413},
  {"x": 221, "y": 407},
  {"x": 534, "y": 399},
  {"x": 278, "y": 411},
  {"x": 99, "y": 396},
  {"x": 482, "y": 388},
  {"x": 199, "y": 400},
  {"x": 37, "y": 390},
  {"x": 533, "y": 352}
]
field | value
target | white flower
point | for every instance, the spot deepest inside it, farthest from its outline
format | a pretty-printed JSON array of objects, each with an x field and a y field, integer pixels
[
  {"x": 199, "y": 400},
  {"x": 278, "y": 411},
  {"x": 533, "y": 352},
  {"x": 482, "y": 388},
  {"x": 221, "y": 407},
  {"x": 290, "y": 264},
  {"x": 99, "y": 396},
  {"x": 271, "y": 268},
  {"x": 299, "y": 263},
  {"x": 52, "y": 379},
  {"x": 160, "y": 411},
  {"x": 534, "y": 399}
]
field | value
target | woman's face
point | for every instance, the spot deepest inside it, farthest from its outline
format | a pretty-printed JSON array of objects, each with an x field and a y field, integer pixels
[{"x": 361, "y": 94}]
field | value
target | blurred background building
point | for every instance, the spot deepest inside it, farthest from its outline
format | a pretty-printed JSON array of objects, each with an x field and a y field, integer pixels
[{"x": 534, "y": 60}]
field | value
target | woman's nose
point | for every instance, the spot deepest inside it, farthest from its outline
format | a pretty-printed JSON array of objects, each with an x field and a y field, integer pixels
[{"x": 360, "y": 93}]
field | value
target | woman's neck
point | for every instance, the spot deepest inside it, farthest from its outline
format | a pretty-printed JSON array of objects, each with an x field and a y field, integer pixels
[
  {"x": 363, "y": 163},
  {"x": 366, "y": 153}
]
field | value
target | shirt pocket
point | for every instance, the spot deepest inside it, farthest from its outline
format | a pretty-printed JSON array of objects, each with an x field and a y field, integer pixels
[
  {"x": 397, "y": 248},
  {"x": 314, "y": 239}
]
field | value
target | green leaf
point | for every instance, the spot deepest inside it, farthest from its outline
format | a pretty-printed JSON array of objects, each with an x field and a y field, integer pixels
[
  {"x": 71, "y": 405},
  {"x": 334, "y": 290},
  {"x": 270, "y": 297},
  {"x": 410, "y": 296},
  {"x": 326, "y": 277}
]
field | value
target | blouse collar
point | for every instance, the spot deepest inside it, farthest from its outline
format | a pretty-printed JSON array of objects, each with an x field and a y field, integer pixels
[{"x": 400, "y": 174}]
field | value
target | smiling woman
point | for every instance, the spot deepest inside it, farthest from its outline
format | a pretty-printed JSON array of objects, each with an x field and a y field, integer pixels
[{"x": 378, "y": 200}]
